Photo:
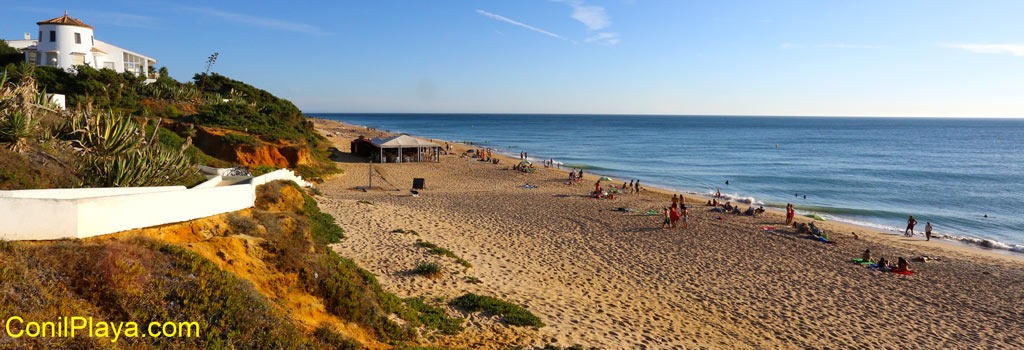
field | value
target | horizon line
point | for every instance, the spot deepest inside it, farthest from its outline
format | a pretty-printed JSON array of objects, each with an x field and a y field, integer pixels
[{"x": 679, "y": 115}]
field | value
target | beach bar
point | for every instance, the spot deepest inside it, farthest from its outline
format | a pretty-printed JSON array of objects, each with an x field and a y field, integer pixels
[{"x": 404, "y": 148}]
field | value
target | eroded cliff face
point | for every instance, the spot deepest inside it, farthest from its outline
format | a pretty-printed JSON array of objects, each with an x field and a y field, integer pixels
[
  {"x": 236, "y": 242},
  {"x": 212, "y": 141}
]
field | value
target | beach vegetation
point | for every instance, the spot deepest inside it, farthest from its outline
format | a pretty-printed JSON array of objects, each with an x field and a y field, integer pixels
[
  {"x": 365, "y": 202},
  {"x": 236, "y": 139},
  {"x": 428, "y": 268},
  {"x": 510, "y": 313},
  {"x": 435, "y": 317},
  {"x": 472, "y": 280},
  {"x": 436, "y": 250},
  {"x": 141, "y": 280}
]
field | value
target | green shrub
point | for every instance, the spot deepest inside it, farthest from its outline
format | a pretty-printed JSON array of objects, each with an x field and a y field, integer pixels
[
  {"x": 262, "y": 169},
  {"x": 472, "y": 280},
  {"x": 435, "y": 317},
  {"x": 434, "y": 249},
  {"x": 235, "y": 139},
  {"x": 428, "y": 269},
  {"x": 323, "y": 226},
  {"x": 511, "y": 313}
]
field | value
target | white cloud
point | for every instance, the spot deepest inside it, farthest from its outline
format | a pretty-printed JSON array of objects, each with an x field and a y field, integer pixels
[
  {"x": 513, "y": 22},
  {"x": 594, "y": 17},
  {"x": 271, "y": 23},
  {"x": 604, "y": 39},
  {"x": 850, "y": 46},
  {"x": 1013, "y": 49}
]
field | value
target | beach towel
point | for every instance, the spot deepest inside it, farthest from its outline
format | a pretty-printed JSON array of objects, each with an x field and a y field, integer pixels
[
  {"x": 652, "y": 212},
  {"x": 767, "y": 228},
  {"x": 528, "y": 186},
  {"x": 902, "y": 272}
]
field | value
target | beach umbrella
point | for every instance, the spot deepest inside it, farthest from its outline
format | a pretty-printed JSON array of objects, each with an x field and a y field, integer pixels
[
  {"x": 525, "y": 162},
  {"x": 816, "y": 217},
  {"x": 604, "y": 178}
]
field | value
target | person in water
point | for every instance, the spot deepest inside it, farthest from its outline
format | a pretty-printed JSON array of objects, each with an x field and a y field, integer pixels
[
  {"x": 928, "y": 231},
  {"x": 909, "y": 232}
]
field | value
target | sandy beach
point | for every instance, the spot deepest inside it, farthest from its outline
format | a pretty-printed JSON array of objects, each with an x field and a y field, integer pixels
[{"x": 615, "y": 280}]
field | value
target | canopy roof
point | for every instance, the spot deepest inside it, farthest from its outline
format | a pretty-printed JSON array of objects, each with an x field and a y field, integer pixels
[{"x": 403, "y": 141}]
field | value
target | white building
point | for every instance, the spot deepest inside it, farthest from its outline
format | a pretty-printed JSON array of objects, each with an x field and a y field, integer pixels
[{"x": 66, "y": 42}]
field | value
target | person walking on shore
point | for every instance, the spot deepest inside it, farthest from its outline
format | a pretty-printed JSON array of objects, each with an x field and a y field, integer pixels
[
  {"x": 675, "y": 201},
  {"x": 668, "y": 219},
  {"x": 790, "y": 213},
  {"x": 909, "y": 232},
  {"x": 928, "y": 231},
  {"x": 636, "y": 186}
]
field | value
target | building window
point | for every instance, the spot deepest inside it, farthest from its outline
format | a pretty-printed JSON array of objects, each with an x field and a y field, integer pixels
[
  {"x": 40, "y": 37},
  {"x": 51, "y": 59},
  {"x": 33, "y": 58},
  {"x": 78, "y": 38},
  {"x": 78, "y": 60},
  {"x": 53, "y": 36},
  {"x": 92, "y": 39}
]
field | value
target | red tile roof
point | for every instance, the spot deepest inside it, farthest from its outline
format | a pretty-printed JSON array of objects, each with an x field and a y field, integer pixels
[{"x": 66, "y": 20}]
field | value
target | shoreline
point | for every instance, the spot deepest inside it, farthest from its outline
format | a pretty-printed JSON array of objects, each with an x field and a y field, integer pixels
[{"x": 955, "y": 242}]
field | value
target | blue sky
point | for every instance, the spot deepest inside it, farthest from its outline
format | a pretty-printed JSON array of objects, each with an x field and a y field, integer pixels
[{"x": 844, "y": 58}]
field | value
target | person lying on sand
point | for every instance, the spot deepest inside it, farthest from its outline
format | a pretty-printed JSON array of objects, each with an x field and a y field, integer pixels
[{"x": 902, "y": 265}]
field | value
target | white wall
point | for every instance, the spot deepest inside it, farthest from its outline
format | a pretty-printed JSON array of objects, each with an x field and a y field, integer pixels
[
  {"x": 37, "y": 219},
  {"x": 85, "y": 212},
  {"x": 103, "y": 215},
  {"x": 73, "y": 193}
]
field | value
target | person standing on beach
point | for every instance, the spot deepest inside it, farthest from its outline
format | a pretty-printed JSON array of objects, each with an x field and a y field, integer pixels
[
  {"x": 790, "y": 213},
  {"x": 685, "y": 215},
  {"x": 674, "y": 215},
  {"x": 675, "y": 201},
  {"x": 668, "y": 219},
  {"x": 928, "y": 231},
  {"x": 909, "y": 232},
  {"x": 636, "y": 186}
]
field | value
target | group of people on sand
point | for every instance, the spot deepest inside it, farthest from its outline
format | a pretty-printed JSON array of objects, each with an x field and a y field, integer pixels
[
  {"x": 901, "y": 266},
  {"x": 728, "y": 208},
  {"x": 677, "y": 211}
]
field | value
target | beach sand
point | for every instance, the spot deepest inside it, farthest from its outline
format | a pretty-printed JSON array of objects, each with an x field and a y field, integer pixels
[{"x": 614, "y": 280}]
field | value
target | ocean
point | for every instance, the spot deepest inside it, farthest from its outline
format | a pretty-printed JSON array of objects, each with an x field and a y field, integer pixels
[{"x": 872, "y": 172}]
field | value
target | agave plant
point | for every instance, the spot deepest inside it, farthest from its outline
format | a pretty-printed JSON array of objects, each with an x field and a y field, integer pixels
[
  {"x": 102, "y": 133},
  {"x": 147, "y": 166}
]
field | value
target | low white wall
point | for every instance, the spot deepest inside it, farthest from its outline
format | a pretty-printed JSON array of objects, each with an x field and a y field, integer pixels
[
  {"x": 37, "y": 219},
  {"x": 212, "y": 182},
  {"x": 280, "y": 174},
  {"x": 72, "y": 193},
  {"x": 86, "y": 212},
  {"x": 98, "y": 216}
]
